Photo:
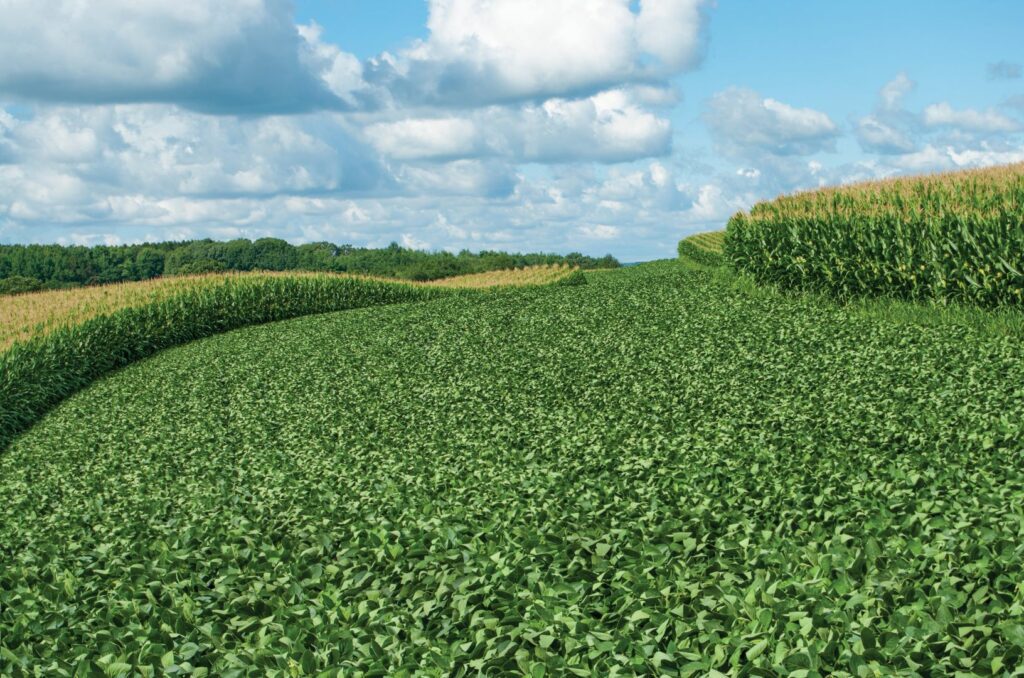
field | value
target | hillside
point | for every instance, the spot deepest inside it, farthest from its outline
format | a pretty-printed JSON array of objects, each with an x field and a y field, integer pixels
[{"x": 653, "y": 473}]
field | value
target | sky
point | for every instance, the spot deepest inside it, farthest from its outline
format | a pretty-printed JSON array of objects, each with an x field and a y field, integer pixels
[{"x": 597, "y": 126}]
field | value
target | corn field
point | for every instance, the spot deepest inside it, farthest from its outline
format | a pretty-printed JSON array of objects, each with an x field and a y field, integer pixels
[
  {"x": 947, "y": 237},
  {"x": 703, "y": 248},
  {"x": 26, "y": 316}
]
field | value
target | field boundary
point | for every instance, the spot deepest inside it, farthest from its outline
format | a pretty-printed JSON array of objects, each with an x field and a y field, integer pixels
[{"x": 39, "y": 373}]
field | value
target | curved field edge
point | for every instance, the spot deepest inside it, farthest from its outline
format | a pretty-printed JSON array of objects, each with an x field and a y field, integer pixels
[
  {"x": 67, "y": 339},
  {"x": 465, "y": 487},
  {"x": 27, "y": 316},
  {"x": 703, "y": 248},
  {"x": 37, "y": 374}
]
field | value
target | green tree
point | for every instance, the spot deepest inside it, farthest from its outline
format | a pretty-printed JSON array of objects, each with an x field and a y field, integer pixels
[
  {"x": 18, "y": 284},
  {"x": 149, "y": 263}
]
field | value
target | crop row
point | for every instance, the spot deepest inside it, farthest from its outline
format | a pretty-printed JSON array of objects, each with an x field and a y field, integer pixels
[
  {"x": 655, "y": 474},
  {"x": 703, "y": 248},
  {"x": 27, "y": 316},
  {"x": 950, "y": 237}
]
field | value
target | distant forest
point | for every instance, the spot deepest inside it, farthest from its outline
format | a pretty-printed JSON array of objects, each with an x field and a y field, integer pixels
[{"x": 26, "y": 268}]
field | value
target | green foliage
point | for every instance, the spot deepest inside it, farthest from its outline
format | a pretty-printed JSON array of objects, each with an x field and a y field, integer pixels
[
  {"x": 703, "y": 248},
  {"x": 37, "y": 374},
  {"x": 19, "y": 284},
  {"x": 198, "y": 266},
  {"x": 56, "y": 266},
  {"x": 956, "y": 237},
  {"x": 654, "y": 473},
  {"x": 575, "y": 278},
  {"x": 149, "y": 263}
]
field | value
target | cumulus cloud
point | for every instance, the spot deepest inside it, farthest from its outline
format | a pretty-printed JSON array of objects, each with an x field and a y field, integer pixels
[
  {"x": 743, "y": 121},
  {"x": 671, "y": 31},
  {"x": 893, "y": 92},
  {"x": 491, "y": 51},
  {"x": 986, "y": 156},
  {"x": 227, "y": 120},
  {"x": 940, "y": 137},
  {"x": 233, "y": 56},
  {"x": 607, "y": 127},
  {"x": 1004, "y": 70},
  {"x": 942, "y": 114},
  {"x": 878, "y": 136},
  {"x": 934, "y": 158},
  {"x": 119, "y": 162},
  {"x": 478, "y": 178},
  {"x": 654, "y": 188},
  {"x": 599, "y": 231},
  {"x": 426, "y": 138},
  {"x": 248, "y": 56},
  {"x": 891, "y": 129}
]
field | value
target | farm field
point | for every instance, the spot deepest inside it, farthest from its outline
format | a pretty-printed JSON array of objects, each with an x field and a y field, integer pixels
[
  {"x": 952, "y": 237},
  {"x": 654, "y": 473},
  {"x": 55, "y": 343},
  {"x": 27, "y": 316}
]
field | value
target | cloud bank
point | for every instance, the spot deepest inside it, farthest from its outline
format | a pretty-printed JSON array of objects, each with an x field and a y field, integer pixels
[{"x": 513, "y": 124}]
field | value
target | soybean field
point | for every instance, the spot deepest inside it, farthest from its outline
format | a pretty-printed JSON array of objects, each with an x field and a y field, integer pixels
[{"x": 654, "y": 473}]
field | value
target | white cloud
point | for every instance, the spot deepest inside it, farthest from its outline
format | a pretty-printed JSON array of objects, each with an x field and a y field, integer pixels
[
  {"x": 671, "y": 31},
  {"x": 606, "y": 127},
  {"x": 599, "y": 232},
  {"x": 340, "y": 71},
  {"x": 742, "y": 121},
  {"x": 942, "y": 114},
  {"x": 877, "y": 136},
  {"x": 490, "y": 51},
  {"x": 939, "y": 137},
  {"x": 928, "y": 158},
  {"x": 234, "y": 56},
  {"x": 893, "y": 92},
  {"x": 891, "y": 130},
  {"x": 934, "y": 158},
  {"x": 426, "y": 138},
  {"x": 486, "y": 178},
  {"x": 985, "y": 157},
  {"x": 228, "y": 120},
  {"x": 118, "y": 162},
  {"x": 412, "y": 242}
]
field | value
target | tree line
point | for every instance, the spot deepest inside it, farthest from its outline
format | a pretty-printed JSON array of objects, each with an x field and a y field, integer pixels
[{"x": 26, "y": 268}]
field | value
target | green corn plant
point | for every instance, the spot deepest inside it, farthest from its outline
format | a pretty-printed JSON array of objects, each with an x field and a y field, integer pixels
[{"x": 948, "y": 237}]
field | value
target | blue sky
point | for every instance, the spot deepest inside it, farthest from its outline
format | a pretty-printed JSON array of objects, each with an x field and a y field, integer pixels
[{"x": 558, "y": 125}]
